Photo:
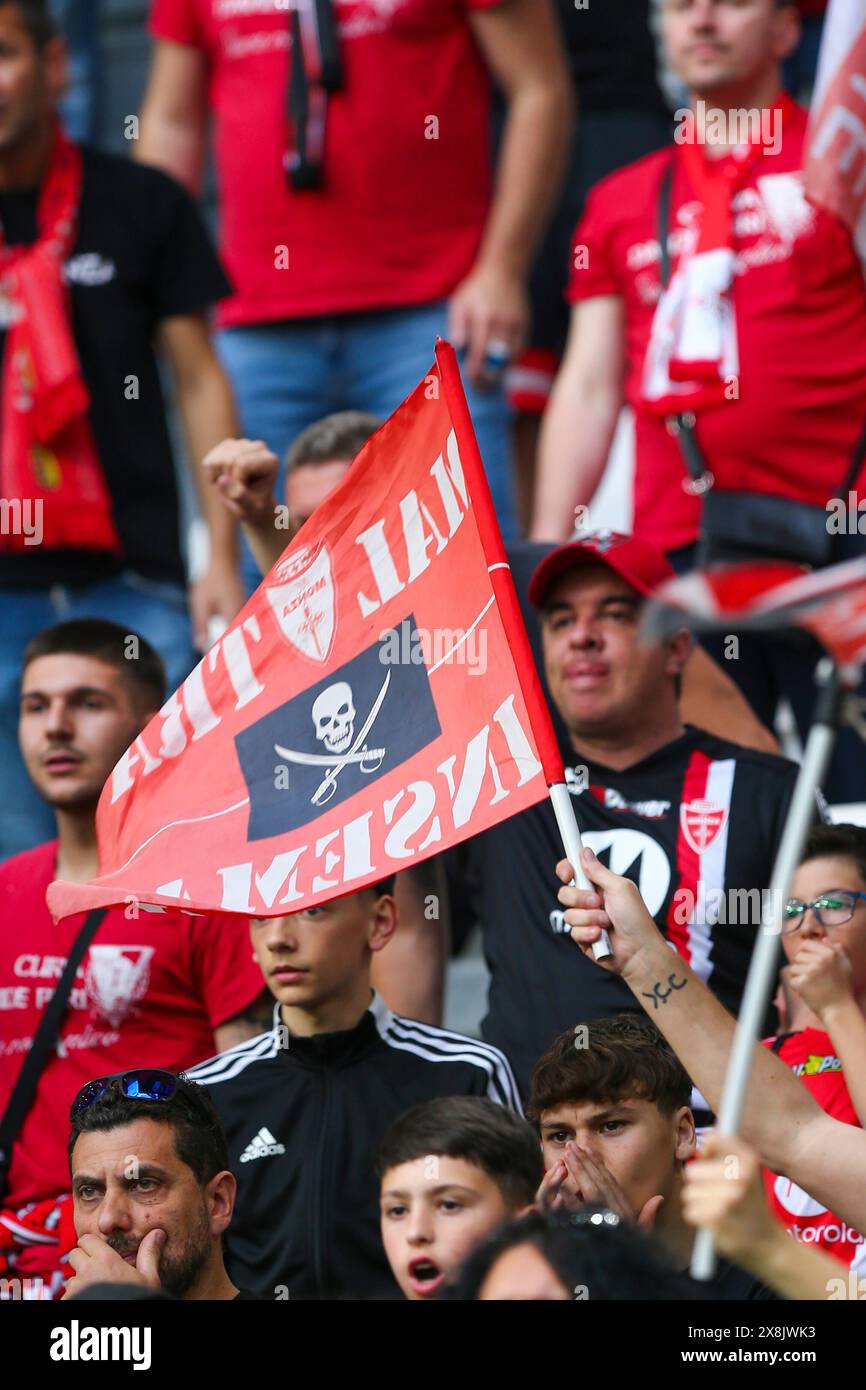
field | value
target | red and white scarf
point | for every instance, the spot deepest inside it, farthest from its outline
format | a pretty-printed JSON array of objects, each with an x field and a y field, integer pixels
[
  {"x": 693, "y": 354},
  {"x": 48, "y": 456},
  {"x": 35, "y": 1241}
]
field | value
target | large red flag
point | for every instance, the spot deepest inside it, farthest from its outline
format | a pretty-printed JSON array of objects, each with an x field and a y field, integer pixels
[
  {"x": 830, "y": 603},
  {"x": 374, "y": 702},
  {"x": 836, "y": 155}
]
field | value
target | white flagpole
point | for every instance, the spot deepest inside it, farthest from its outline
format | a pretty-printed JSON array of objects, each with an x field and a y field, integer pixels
[
  {"x": 762, "y": 968},
  {"x": 569, "y": 831}
]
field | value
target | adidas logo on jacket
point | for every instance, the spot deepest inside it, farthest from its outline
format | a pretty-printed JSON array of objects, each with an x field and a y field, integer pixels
[{"x": 262, "y": 1146}]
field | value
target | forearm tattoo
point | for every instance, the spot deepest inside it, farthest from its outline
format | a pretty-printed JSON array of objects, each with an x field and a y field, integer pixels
[{"x": 659, "y": 994}]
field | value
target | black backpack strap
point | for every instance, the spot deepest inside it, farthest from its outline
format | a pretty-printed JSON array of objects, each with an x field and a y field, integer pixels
[
  {"x": 42, "y": 1046},
  {"x": 664, "y": 219},
  {"x": 681, "y": 426}
]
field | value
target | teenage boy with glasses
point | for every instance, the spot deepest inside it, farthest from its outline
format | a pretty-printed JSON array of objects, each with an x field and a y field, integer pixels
[{"x": 824, "y": 991}]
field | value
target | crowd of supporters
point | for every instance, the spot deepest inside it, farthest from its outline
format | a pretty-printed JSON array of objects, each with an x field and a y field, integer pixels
[{"x": 198, "y": 1107}]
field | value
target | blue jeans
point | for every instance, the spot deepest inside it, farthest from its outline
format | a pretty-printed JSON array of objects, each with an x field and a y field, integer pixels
[
  {"x": 78, "y": 20},
  {"x": 798, "y": 71},
  {"x": 154, "y": 609},
  {"x": 287, "y": 375}
]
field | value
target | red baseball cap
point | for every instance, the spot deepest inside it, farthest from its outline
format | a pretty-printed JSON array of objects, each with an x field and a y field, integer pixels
[{"x": 635, "y": 561}]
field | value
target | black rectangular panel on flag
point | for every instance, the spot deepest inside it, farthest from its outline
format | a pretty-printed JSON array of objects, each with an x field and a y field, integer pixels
[{"x": 338, "y": 736}]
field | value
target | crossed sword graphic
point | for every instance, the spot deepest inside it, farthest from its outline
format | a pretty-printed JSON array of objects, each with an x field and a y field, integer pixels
[{"x": 336, "y": 762}]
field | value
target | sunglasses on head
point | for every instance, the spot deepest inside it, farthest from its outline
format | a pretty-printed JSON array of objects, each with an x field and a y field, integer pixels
[{"x": 143, "y": 1083}]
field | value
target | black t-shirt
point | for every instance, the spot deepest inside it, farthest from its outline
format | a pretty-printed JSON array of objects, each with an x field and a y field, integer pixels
[
  {"x": 731, "y": 1283},
  {"x": 141, "y": 255},
  {"x": 612, "y": 54},
  {"x": 696, "y": 817}
]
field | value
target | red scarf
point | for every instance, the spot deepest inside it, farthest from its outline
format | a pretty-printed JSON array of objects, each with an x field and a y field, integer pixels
[
  {"x": 48, "y": 457},
  {"x": 693, "y": 354},
  {"x": 35, "y": 1242}
]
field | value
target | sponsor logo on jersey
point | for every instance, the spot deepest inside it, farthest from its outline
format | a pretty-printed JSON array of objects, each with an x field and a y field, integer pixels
[
  {"x": 832, "y": 1233},
  {"x": 89, "y": 268},
  {"x": 632, "y": 854},
  {"x": 701, "y": 823},
  {"x": 798, "y": 1204},
  {"x": 264, "y": 1145},
  {"x": 637, "y": 856},
  {"x": 649, "y": 810},
  {"x": 816, "y": 1065}
]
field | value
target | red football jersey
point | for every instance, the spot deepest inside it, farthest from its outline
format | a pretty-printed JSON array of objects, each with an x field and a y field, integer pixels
[
  {"x": 790, "y": 426},
  {"x": 150, "y": 992},
  {"x": 407, "y": 162},
  {"x": 811, "y": 1056}
]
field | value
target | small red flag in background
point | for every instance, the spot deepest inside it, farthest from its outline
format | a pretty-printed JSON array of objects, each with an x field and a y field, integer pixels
[
  {"x": 375, "y": 701},
  {"x": 836, "y": 151},
  {"x": 829, "y": 603}
]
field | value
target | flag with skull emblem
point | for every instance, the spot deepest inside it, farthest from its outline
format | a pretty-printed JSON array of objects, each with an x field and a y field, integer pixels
[{"x": 374, "y": 702}]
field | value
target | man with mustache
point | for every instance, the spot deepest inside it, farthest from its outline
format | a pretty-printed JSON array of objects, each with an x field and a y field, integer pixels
[{"x": 151, "y": 1188}]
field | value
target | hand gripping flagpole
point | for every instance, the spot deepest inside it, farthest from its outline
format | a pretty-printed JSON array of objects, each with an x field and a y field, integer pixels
[
  {"x": 569, "y": 831},
  {"x": 835, "y": 685}
]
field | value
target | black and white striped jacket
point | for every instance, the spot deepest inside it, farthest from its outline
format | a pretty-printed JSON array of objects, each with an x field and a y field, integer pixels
[{"x": 303, "y": 1121}]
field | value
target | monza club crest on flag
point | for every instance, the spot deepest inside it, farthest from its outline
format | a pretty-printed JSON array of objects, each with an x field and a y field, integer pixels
[
  {"x": 302, "y": 597},
  {"x": 350, "y": 721}
]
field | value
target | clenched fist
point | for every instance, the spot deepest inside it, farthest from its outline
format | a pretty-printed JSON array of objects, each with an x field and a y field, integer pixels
[{"x": 244, "y": 471}]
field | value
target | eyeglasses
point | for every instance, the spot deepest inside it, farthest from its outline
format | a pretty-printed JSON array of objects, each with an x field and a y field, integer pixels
[
  {"x": 144, "y": 1083},
  {"x": 832, "y": 909}
]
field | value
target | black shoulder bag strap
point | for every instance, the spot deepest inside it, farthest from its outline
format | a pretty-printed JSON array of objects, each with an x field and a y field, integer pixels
[
  {"x": 40, "y": 1049},
  {"x": 682, "y": 426}
]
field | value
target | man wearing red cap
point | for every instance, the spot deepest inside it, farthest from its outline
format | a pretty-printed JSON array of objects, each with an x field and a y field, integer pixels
[{"x": 694, "y": 820}]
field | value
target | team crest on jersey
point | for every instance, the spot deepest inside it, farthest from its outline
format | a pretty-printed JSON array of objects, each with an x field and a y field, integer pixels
[
  {"x": 701, "y": 823},
  {"x": 116, "y": 978},
  {"x": 303, "y": 601}
]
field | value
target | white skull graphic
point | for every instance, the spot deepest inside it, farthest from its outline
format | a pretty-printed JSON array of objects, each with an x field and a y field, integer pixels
[{"x": 334, "y": 717}]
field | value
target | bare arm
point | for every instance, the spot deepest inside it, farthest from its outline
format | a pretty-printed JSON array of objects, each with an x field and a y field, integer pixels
[
  {"x": 580, "y": 420},
  {"x": 711, "y": 701},
  {"x": 520, "y": 44},
  {"x": 410, "y": 974},
  {"x": 789, "y": 1129},
  {"x": 206, "y": 406},
  {"x": 266, "y": 544},
  {"x": 174, "y": 114}
]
